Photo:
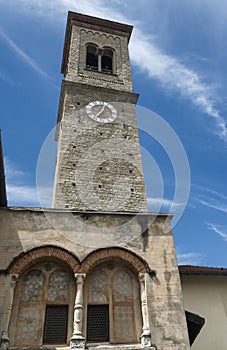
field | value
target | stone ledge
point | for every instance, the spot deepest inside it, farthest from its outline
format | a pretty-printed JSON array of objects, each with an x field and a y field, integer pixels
[
  {"x": 41, "y": 347},
  {"x": 114, "y": 347}
]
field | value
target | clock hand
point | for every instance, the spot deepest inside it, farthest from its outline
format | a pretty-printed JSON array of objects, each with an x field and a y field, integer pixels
[{"x": 100, "y": 112}]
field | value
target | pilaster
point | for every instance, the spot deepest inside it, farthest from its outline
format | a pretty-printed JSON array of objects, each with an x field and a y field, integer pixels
[{"x": 5, "y": 341}]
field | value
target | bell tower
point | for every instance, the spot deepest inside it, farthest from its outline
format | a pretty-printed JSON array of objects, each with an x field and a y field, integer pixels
[
  {"x": 99, "y": 163},
  {"x": 103, "y": 274}
]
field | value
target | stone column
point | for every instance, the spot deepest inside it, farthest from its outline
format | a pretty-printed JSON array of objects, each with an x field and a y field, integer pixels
[
  {"x": 99, "y": 60},
  {"x": 146, "y": 334},
  {"x": 78, "y": 341},
  {"x": 4, "y": 342}
]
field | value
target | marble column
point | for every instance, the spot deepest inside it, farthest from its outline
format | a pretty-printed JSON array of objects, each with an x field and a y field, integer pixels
[
  {"x": 78, "y": 341},
  {"x": 4, "y": 342},
  {"x": 146, "y": 334}
]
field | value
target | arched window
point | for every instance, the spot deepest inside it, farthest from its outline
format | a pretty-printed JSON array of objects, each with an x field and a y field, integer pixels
[
  {"x": 44, "y": 297},
  {"x": 113, "y": 305},
  {"x": 100, "y": 59},
  {"x": 92, "y": 57},
  {"x": 107, "y": 61}
]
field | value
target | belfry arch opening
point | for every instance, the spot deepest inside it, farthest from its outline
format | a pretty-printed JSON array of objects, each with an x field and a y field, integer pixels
[
  {"x": 100, "y": 59},
  {"x": 107, "y": 60},
  {"x": 92, "y": 57}
]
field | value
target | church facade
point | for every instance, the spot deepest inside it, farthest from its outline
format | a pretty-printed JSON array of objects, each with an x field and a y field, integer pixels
[{"x": 96, "y": 270}]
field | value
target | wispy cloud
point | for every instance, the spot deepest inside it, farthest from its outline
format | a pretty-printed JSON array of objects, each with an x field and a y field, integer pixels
[
  {"x": 219, "y": 229},
  {"x": 210, "y": 191},
  {"x": 164, "y": 203},
  {"x": 211, "y": 198},
  {"x": 190, "y": 258},
  {"x": 175, "y": 76},
  {"x": 213, "y": 204},
  {"x": 6, "y": 79},
  {"x": 26, "y": 58}
]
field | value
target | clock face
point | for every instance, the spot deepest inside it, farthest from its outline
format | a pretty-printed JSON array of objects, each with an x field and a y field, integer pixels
[{"x": 101, "y": 112}]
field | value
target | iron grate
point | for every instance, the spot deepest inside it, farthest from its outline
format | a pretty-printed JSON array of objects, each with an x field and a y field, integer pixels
[
  {"x": 98, "y": 323},
  {"x": 55, "y": 330}
]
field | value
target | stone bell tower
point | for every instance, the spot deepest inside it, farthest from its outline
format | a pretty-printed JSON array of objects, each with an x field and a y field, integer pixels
[{"x": 99, "y": 163}]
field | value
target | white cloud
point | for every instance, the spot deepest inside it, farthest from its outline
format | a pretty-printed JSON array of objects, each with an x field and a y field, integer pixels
[
  {"x": 190, "y": 259},
  {"x": 156, "y": 203},
  {"x": 220, "y": 230},
  {"x": 11, "y": 170},
  {"x": 26, "y": 58},
  {"x": 24, "y": 195},
  {"x": 19, "y": 193},
  {"x": 175, "y": 76}
]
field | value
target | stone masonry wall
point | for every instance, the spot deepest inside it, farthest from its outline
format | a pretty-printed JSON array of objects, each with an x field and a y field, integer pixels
[{"x": 99, "y": 165}]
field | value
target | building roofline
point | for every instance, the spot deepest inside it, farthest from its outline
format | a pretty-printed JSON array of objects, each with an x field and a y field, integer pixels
[
  {"x": 95, "y": 21},
  {"x": 88, "y": 212},
  {"x": 202, "y": 270}
]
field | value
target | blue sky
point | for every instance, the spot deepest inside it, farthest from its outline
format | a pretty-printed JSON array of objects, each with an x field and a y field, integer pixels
[{"x": 178, "y": 53}]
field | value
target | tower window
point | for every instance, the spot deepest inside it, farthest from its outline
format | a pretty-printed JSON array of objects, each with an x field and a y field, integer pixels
[
  {"x": 100, "y": 59},
  {"x": 92, "y": 57},
  {"x": 107, "y": 61}
]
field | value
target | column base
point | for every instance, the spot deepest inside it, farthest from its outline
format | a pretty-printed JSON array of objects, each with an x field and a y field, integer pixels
[
  {"x": 146, "y": 340},
  {"x": 77, "y": 342},
  {"x": 4, "y": 342}
]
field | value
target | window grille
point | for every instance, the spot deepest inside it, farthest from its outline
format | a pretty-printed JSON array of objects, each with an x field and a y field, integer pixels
[
  {"x": 98, "y": 323},
  {"x": 55, "y": 329}
]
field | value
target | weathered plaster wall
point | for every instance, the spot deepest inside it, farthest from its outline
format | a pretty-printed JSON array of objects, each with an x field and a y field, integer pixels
[{"x": 207, "y": 296}]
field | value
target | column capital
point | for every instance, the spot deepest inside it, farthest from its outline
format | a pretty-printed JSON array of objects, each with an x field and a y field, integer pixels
[
  {"x": 14, "y": 278},
  {"x": 142, "y": 276},
  {"x": 79, "y": 277}
]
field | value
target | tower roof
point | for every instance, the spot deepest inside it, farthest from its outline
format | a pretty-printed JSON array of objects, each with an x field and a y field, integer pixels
[{"x": 74, "y": 17}]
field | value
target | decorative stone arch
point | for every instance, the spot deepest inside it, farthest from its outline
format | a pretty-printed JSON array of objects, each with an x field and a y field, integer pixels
[
  {"x": 24, "y": 260},
  {"x": 136, "y": 263}
]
